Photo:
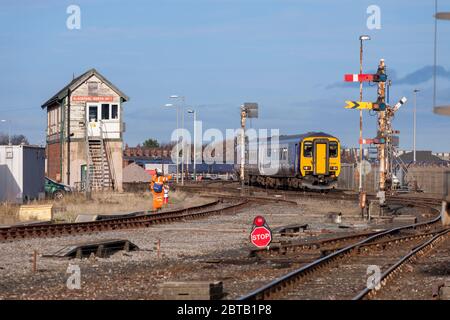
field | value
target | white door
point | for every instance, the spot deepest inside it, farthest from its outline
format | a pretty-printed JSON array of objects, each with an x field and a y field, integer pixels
[{"x": 93, "y": 116}]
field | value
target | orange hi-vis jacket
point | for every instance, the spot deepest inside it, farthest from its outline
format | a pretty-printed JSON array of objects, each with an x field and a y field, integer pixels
[{"x": 158, "y": 196}]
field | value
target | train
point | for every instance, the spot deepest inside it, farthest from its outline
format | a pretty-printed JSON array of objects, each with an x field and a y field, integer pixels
[{"x": 306, "y": 161}]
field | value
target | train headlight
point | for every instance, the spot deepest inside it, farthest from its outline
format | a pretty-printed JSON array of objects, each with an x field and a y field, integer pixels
[
  {"x": 333, "y": 168},
  {"x": 306, "y": 168}
]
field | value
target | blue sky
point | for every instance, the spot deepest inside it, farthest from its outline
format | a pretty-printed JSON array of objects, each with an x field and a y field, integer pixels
[{"x": 289, "y": 56}]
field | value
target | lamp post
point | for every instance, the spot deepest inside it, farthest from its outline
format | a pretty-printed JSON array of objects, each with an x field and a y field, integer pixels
[
  {"x": 182, "y": 98},
  {"x": 194, "y": 112},
  {"x": 178, "y": 151},
  {"x": 9, "y": 130},
  {"x": 361, "y": 40},
  {"x": 414, "y": 124}
]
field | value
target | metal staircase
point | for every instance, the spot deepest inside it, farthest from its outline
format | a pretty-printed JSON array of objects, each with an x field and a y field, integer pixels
[
  {"x": 100, "y": 171},
  {"x": 400, "y": 168},
  {"x": 99, "y": 175}
]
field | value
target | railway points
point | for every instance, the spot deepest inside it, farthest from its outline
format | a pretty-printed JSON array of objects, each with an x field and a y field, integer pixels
[{"x": 186, "y": 190}]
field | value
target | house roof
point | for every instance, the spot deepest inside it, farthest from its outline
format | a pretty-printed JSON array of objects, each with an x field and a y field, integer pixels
[
  {"x": 76, "y": 82},
  {"x": 421, "y": 157}
]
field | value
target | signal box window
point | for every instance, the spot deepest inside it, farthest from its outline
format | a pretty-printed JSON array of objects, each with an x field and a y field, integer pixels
[
  {"x": 333, "y": 149},
  {"x": 105, "y": 111},
  {"x": 308, "y": 149},
  {"x": 114, "y": 111}
]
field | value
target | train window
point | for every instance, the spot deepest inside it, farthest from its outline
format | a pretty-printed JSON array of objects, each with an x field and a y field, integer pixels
[
  {"x": 333, "y": 149},
  {"x": 308, "y": 149}
]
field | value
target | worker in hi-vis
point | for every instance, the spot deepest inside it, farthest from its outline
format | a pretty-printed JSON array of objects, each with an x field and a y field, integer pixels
[{"x": 157, "y": 186}]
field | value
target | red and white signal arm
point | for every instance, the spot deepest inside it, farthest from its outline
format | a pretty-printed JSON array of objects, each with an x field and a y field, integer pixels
[{"x": 261, "y": 235}]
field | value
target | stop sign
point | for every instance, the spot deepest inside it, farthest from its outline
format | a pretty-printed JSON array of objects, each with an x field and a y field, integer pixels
[{"x": 261, "y": 237}]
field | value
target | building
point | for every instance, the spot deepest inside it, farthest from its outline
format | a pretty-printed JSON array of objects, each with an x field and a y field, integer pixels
[
  {"x": 22, "y": 171},
  {"x": 160, "y": 158},
  {"x": 422, "y": 158},
  {"x": 85, "y": 126}
]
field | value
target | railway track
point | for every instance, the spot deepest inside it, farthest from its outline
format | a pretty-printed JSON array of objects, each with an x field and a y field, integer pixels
[
  {"x": 205, "y": 189},
  {"x": 141, "y": 220},
  {"x": 342, "y": 273}
]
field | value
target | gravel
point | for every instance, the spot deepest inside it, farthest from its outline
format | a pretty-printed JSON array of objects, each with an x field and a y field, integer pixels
[{"x": 189, "y": 251}]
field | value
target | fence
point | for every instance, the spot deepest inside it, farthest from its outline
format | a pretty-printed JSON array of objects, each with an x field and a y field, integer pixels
[
  {"x": 429, "y": 178},
  {"x": 349, "y": 178}
]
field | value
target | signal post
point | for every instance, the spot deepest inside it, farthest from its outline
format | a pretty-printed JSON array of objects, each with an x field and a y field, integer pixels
[
  {"x": 385, "y": 132},
  {"x": 382, "y": 157}
]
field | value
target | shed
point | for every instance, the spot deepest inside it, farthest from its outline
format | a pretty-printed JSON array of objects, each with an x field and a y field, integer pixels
[{"x": 22, "y": 173}]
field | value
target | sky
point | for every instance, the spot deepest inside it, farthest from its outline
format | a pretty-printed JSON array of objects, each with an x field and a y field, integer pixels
[{"x": 289, "y": 56}]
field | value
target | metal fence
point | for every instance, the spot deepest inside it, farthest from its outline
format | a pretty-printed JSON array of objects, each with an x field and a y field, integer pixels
[
  {"x": 429, "y": 179},
  {"x": 346, "y": 178}
]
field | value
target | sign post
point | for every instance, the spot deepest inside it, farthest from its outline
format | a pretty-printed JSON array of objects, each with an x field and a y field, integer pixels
[{"x": 261, "y": 235}]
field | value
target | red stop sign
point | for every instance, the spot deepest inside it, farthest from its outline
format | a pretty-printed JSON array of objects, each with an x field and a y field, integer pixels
[{"x": 261, "y": 237}]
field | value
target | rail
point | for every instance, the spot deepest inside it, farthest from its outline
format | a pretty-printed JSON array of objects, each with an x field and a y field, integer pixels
[
  {"x": 136, "y": 221},
  {"x": 277, "y": 285}
]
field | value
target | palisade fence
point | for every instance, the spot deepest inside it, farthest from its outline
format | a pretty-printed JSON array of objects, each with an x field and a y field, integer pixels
[
  {"x": 430, "y": 178},
  {"x": 349, "y": 178}
]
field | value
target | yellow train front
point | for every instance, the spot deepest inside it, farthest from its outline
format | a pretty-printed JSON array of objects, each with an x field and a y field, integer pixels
[{"x": 306, "y": 161}]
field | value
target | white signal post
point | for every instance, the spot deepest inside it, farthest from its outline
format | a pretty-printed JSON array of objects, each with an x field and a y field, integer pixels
[{"x": 361, "y": 39}]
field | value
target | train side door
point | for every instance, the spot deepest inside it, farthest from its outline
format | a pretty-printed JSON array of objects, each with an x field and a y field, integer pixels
[{"x": 321, "y": 157}]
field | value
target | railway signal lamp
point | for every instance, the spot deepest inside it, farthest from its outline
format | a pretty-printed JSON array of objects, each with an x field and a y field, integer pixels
[
  {"x": 379, "y": 77},
  {"x": 259, "y": 221},
  {"x": 379, "y": 106},
  {"x": 379, "y": 140}
]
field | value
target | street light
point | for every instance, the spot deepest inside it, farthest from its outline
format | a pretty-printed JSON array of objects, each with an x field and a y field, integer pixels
[
  {"x": 414, "y": 124},
  {"x": 182, "y": 98},
  {"x": 195, "y": 140},
  {"x": 169, "y": 105},
  {"x": 361, "y": 39},
  {"x": 443, "y": 110},
  {"x": 9, "y": 130},
  {"x": 364, "y": 37}
]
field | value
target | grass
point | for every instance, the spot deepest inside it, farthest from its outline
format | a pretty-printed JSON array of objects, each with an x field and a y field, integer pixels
[
  {"x": 72, "y": 205},
  {"x": 111, "y": 203}
]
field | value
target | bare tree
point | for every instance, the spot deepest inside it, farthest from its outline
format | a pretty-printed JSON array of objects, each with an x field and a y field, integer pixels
[{"x": 16, "y": 139}]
